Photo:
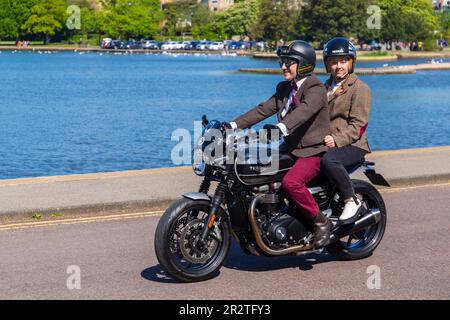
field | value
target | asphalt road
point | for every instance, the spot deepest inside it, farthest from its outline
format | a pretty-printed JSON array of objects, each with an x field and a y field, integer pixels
[{"x": 115, "y": 259}]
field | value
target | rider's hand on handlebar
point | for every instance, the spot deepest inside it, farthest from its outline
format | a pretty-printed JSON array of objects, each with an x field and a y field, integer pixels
[
  {"x": 269, "y": 127},
  {"x": 226, "y": 126}
]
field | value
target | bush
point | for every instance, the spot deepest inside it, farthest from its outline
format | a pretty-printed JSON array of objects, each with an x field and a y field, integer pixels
[{"x": 431, "y": 45}]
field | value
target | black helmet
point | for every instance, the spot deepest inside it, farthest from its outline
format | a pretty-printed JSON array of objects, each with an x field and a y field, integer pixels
[
  {"x": 303, "y": 53},
  {"x": 339, "y": 47}
]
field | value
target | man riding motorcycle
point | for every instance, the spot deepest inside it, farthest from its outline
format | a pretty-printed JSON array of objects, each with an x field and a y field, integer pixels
[{"x": 303, "y": 118}]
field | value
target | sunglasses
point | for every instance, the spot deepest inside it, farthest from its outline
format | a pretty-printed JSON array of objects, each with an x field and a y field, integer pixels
[{"x": 286, "y": 62}]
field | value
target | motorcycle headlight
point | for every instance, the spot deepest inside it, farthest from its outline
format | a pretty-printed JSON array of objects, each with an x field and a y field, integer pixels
[
  {"x": 199, "y": 168},
  {"x": 199, "y": 165}
]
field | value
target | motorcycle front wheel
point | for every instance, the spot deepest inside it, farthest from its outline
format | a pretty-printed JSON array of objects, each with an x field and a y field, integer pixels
[{"x": 176, "y": 242}]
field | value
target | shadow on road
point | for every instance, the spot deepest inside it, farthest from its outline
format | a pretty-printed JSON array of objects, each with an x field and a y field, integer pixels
[
  {"x": 238, "y": 260},
  {"x": 157, "y": 274}
]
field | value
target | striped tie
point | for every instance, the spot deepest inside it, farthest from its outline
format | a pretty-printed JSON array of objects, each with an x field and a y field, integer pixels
[{"x": 295, "y": 101}]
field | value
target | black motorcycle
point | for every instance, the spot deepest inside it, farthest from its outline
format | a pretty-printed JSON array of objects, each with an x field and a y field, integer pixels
[{"x": 193, "y": 236}]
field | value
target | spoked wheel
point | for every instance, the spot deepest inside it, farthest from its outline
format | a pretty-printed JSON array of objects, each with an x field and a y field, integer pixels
[
  {"x": 361, "y": 244},
  {"x": 177, "y": 242}
]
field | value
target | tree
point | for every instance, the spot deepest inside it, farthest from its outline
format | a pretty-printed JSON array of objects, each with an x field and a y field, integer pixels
[
  {"x": 138, "y": 18},
  {"x": 406, "y": 20},
  {"x": 321, "y": 20},
  {"x": 241, "y": 18},
  {"x": 47, "y": 18},
  {"x": 276, "y": 21},
  {"x": 177, "y": 15},
  {"x": 13, "y": 15},
  {"x": 444, "y": 24},
  {"x": 203, "y": 23},
  {"x": 93, "y": 22}
]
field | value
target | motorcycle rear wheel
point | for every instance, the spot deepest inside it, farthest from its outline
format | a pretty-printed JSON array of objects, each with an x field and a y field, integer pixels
[{"x": 361, "y": 244}]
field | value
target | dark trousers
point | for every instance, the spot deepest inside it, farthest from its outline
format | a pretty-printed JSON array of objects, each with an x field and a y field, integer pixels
[{"x": 334, "y": 164}]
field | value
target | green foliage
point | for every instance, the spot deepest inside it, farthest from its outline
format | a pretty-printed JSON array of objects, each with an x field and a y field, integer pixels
[
  {"x": 444, "y": 24},
  {"x": 13, "y": 15},
  {"x": 178, "y": 16},
  {"x": 276, "y": 21},
  {"x": 134, "y": 19},
  {"x": 93, "y": 21},
  {"x": 241, "y": 18},
  {"x": 407, "y": 20},
  {"x": 316, "y": 20},
  {"x": 321, "y": 20},
  {"x": 47, "y": 18},
  {"x": 430, "y": 45},
  {"x": 36, "y": 216},
  {"x": 376, "y": 54}
]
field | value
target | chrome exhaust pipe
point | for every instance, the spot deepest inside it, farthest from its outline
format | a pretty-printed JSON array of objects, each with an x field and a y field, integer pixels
[
  {"x": 369, "y": 219},
  {"x": 260, "y": 241}
]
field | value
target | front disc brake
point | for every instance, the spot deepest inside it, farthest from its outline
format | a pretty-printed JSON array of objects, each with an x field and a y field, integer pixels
[{"x": 189, "y": 243}]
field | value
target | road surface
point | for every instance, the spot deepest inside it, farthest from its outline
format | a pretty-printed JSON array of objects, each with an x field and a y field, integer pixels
[{"x": 115, "y": 259}]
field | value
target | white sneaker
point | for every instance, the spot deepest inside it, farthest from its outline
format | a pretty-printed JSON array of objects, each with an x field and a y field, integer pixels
[{"x": 350, "y": 212}]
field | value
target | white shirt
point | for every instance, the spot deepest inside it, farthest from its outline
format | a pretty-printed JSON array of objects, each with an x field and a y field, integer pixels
[
  {"x": 334, "y": 86},
  {"x": 285, "y": 109},
  {"x": 288, "y": 106}
]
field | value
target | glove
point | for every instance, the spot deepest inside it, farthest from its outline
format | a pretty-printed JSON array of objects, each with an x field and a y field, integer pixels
[
  {"x": 226, "y": 125},
  {"x": 269, "y": 128}
]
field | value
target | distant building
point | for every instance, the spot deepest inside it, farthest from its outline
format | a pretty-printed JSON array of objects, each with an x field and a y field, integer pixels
[{"x": 218, "y": 5}]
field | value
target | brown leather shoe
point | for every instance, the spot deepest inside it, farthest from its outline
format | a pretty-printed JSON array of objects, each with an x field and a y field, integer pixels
[{"x": 322, "y": 227}]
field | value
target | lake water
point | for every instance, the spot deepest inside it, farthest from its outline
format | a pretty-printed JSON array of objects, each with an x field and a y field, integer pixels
[{"x": 71, "y": 113}]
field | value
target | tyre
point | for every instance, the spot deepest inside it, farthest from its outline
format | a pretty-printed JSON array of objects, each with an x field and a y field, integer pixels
[
  {"x": 362, "y": 243},
  {"x": 176, "y": 242}
]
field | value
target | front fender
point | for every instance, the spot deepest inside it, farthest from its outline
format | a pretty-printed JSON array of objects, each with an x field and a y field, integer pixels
[{"x": 197, "y": 196}]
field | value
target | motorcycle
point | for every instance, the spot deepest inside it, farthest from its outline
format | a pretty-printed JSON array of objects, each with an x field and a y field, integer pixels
[{"x": 194, "y": 234}]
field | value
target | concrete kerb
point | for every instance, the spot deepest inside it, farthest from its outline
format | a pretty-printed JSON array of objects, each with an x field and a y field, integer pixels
[{"x": 415, "y": 177}]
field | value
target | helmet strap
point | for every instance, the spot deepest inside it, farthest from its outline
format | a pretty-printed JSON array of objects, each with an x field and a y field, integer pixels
[{"x": 350, "y": 66}]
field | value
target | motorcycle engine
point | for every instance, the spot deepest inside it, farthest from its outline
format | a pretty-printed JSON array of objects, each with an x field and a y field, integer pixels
[
  {"x": 281, "y": 229},
  {"x": 286, "y": 231}
]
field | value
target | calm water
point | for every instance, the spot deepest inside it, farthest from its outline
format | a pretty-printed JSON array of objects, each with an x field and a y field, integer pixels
[{"x": 69, "y": 113}]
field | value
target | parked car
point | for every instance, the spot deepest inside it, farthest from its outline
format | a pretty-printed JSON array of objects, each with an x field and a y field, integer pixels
[
  {"x": 150, "y": 45},
  {"x": 107, "y": 43},
  {"x": 246, "y": 45},
  {"x": 193, "y": 45},
  {"x": 133, "y": 45},
  {"x": 260, "y": 45},
  {"x": 184, "y": 45},
  {"x": 203, "y": 45},
  {"x": 117, "y": 44},
  {"x": 234, "y": 45},
  {"x": 170, "y": 45},
  {"x": 216, "y": 46}
]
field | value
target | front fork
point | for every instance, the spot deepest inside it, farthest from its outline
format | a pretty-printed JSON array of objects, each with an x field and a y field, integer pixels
[{"x": 216, "y": 202}]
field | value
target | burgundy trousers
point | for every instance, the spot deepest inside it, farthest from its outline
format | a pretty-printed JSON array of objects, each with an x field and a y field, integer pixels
[{"x": 294, "y": 184}]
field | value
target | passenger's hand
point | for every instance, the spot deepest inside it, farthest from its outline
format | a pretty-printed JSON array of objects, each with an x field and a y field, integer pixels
[{"x": 329, "y": 142}]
